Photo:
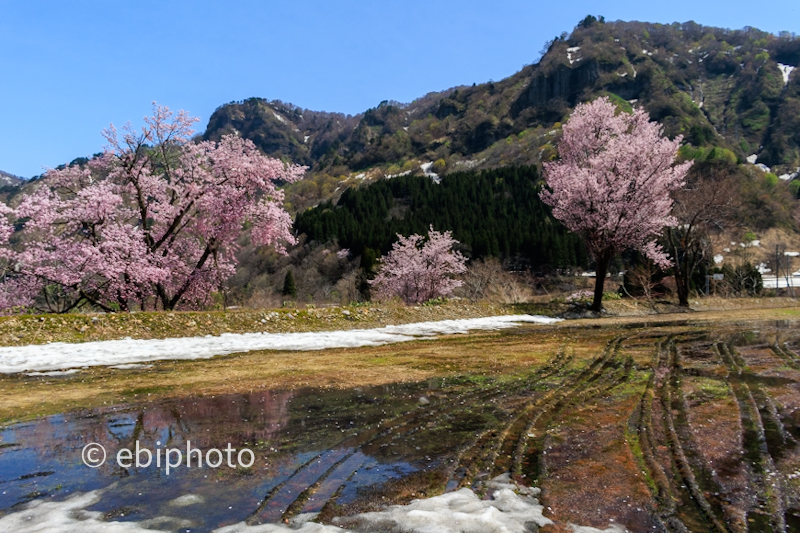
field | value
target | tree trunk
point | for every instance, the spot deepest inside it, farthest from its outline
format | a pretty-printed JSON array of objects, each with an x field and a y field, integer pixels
[
  {"x": 600, "y": 281},
  {"x": 682, "y": 283},
  {"x": 682, "y": 270}
]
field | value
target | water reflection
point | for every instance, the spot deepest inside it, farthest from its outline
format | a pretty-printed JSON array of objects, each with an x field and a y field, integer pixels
[{"x": 331, "y": 438}]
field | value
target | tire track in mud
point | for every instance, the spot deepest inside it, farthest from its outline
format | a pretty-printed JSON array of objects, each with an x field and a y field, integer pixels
[
  {"x": 665, "y": 510},
  {"x": 502, "y": 450},
  {"x": 672, "y": 400},
  {"x": 530, "y": 445},
  {"x": 341, "y": 461},
  {"x": 672, "y": 478},
  {"x": 768, "y": 490},
  {"x": 788, "y": 356}
]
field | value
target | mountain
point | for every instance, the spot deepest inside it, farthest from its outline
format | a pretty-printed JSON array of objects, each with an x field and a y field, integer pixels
[
  {"x": 736, "y": 90},
  {"x": 10, "y": 180}
]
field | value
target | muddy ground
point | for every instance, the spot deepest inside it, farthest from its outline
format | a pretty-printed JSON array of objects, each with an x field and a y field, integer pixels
[{"x": 668, "y": 422}]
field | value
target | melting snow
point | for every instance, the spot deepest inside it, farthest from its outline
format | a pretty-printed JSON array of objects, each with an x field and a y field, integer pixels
[
  {"x": 511, "y": 509},
  {"x": 718, "y": 259},
  {"x": 426, "y": 169},
  {"x": 790, "y": 177},
  {"x": 786, "y": 71},
  {"x": 570, "y": 51},
  {"x": 61, "y": 355},
  {"x": 306, "y": 138},
  {"x": 460, "y": 511},
  {"x": 390, "y": 176},
  {"x": 763, "y": 167},
  {"x": 280, "y": 118},
  {"x": 752, "y": 159}
]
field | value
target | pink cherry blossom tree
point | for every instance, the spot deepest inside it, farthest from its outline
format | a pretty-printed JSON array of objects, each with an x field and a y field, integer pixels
[
  {"x": 154, "y": 220},
  {"x": 612, "y": 183},
  {"x": 418, "y": 270},
  {"x": 16, "y": 290}
]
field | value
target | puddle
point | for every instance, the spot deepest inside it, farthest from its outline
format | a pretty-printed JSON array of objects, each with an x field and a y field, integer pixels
[{"x": 339, "y": 442}]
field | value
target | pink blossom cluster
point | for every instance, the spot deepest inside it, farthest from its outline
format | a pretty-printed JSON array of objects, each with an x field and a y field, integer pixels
[
  {"x": 613, "y": 180},
  {"x": 154, "y": 220},
  {"x": 583, "y": 296},
  {"x": 418, "y": 270}
]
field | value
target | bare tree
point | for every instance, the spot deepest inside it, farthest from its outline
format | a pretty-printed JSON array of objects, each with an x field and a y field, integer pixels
[{"x": 706, "y": 205}]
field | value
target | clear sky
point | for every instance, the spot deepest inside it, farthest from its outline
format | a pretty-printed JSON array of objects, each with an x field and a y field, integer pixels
[{"x": 69, "y": 68}]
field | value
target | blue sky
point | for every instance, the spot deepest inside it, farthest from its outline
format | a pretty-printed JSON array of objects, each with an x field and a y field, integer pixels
[{"x": 71, "y": 68}]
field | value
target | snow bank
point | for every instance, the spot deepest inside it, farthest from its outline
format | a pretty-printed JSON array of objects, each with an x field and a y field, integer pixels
[
  {"x": 458, "y": 512},
  {"x": 60, "y": 355},
  {"x": 455, "y": 512},
  {"x": 42, "y": 516}
]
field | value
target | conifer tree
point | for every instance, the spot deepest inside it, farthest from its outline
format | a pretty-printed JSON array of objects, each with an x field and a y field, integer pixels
[{"x": 289, "y": 288}]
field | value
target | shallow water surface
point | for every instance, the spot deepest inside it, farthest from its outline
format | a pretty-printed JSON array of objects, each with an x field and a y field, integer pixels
[{"x": 331, "y": 438}]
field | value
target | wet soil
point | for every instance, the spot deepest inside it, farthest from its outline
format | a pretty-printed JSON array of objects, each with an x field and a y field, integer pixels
[{"x": 667, "y": 427}]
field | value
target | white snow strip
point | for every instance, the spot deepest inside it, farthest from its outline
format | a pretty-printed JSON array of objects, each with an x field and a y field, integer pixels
[
  {"x": 752, "y": 158},
  {"x": 771, "y": 282},
  {"x": 786, "y": 71},
  {"x": 390, "y": 176},
  {"x": 763, "y": 167},
  {"x": 280, "y": 118},
  {"x": 61, "y": 355}
]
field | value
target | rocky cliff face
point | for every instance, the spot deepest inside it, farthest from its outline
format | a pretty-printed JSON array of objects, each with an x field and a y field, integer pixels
[{"x": 564, "y": 82}]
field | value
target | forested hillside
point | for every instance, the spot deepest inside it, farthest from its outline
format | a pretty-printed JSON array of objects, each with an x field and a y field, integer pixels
[{"x": 492, "y": 213}]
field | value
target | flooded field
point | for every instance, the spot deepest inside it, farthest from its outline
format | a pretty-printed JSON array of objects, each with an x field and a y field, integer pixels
[{"x": 655, "y": 427}]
